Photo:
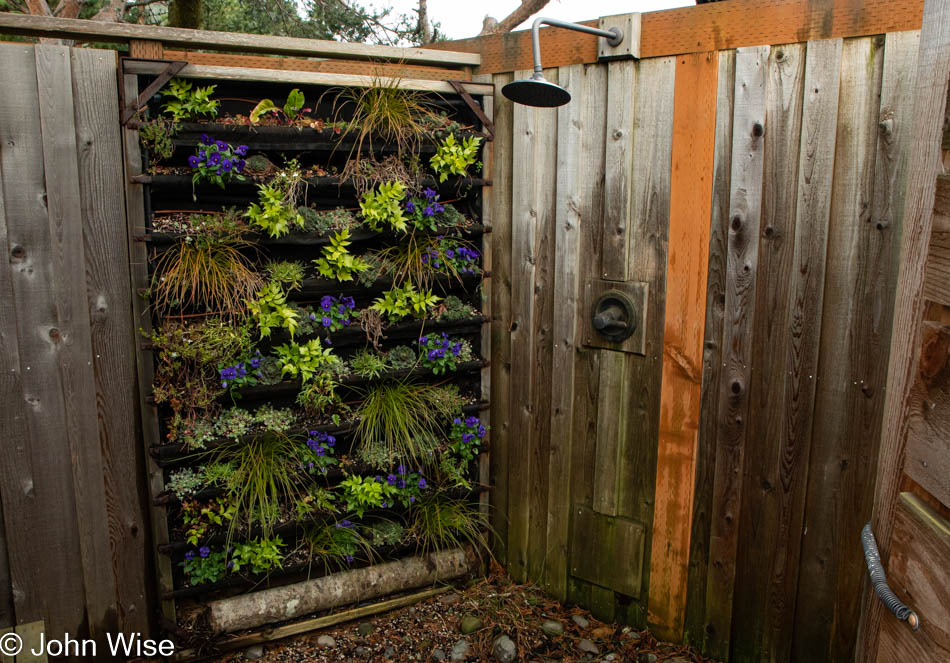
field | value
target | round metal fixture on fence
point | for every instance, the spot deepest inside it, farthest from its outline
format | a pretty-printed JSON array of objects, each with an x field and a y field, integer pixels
[{"x": 614, "y": 316}]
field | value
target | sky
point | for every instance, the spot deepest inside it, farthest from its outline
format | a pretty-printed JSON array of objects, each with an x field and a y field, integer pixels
[{"x": 463, "y": 18}]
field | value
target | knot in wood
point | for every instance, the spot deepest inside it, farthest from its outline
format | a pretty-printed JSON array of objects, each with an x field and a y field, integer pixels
[
  {"x": 54, "y": 335},
  {"x": 736, "y": 387},
  {"x": 18, "y": 252},
  {"x": 758, "y": 130},
  {"x": 736, "y": 222}
]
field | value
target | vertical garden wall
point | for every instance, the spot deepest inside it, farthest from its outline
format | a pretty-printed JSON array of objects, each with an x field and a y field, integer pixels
[{"x": 311, "y": 284}]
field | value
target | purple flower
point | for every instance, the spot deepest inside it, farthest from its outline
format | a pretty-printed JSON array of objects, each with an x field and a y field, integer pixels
[
  {"x": 239, "y": 165},
  {"x": 326, "y": 322},
  {"x": 422, "y": 484},
  {"x": 429, "y": 193},
  {"x": 349, "y": 559},
  {"x": 410, "y": 207},
  {"x": 313, "y": 316},
  {"x": 230, "y": 565},
  {"x": 438, "y": 207},
  {"x": 193, "y": 161},
  {"x": 321, "y": 451},
  {"x": 190, "y": 555},
  {"x": 401, "y": 469},
  {"x": 206, "y": 139},
  {"x": 204, "y": 551},
  {"x": 326, "y": 302},
  {"x": 391, "y": 479},
  {"x": 221, "y": 145},
  {"x": 349, "y": 302},
  {"x": 428, "y": 211},
  {"x": 226, "y": 165},
  {"x": 240, "y": 150},
  {"x": 214, "y": 159}
]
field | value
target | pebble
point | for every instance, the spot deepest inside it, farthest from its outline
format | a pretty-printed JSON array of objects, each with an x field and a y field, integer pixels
[
  {"x": 588, "y": 647},
  {"x": 552, "y": 627},
  {"x": 461, "y": 650},
  {"x": 362, "y": 651},
  {"x": 581, "y": 621},
  {"x": 504, "y": 649},
  {"x": 646, "y": 657},
  {"x": 254, "y": 652},
  {"x": 364, "y": 629},
  {"x": 450, "y": 599},
  {"x": 470, "y": 624},
  {"x": 389, "y": 652},
  {"x": 326, "y": 641},
  {"x": 438, "y": 655},
  {"x": 610, "y": 657}
]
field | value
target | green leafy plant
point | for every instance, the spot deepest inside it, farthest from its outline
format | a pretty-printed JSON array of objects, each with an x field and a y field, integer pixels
[
  {"x": 217, "y": 473},
  {"x": 465, "y": 437},
  {"x": 210, "y": 272},
  {"x": 402, "y": 357},
  {"x": 454, "y": 309},
  {"x": 364, "y": 493},
  {"x": 386, "y": 532},
  {"x": 199, "y": 517},
  {"x": 383, "y": 207},
  {"x": 325, "y": 221},
  {"x": 269, "y": 310},
  {"x": 304, "y": 360},
  {"x": 292, "y": 110},
  {"x": 454, "y": 158},
  {"x": 257, "y": 556},
  {"x": 317, "y": 499},
  {"x": 277, "y": 212},
  {"x": 319, "y": 395},
  {"x": 440, "y": 522},
  {"x": 157, "y": 136},
  {"x": 337, "y": 262},
  {"x": 337, "y": 542},
  {"x": 206, "y": 566},
  {"x": 400, "y": 418},
  {"x": 367, "y": 364},
  {"x": 288, "y": 273},
  {"x": 185, "y": 482},
  {"x": 189, "y": 102},
  {"x": 400, "y": 302}
]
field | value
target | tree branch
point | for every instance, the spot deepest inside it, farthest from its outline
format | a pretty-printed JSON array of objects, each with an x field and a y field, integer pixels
[{"x": 515, "y": 18}]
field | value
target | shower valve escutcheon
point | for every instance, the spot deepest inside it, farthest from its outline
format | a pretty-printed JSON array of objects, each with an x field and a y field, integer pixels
[{"x": 614, "y": 316}]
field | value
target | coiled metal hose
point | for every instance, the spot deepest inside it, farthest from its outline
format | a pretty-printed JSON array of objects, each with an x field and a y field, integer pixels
[{"x": 879, "y": 580}]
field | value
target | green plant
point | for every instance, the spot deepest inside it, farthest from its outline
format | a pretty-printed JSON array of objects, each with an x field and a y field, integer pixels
[
  {"x": 367, "y": 364},
  {"x": 265, "y": 470},
  {"x": 189, "y": 102},
  {"x": 269, "y": 309},
  {"x": 185, "y": 482},
  {"x": 277, "y": 211},
  {"x": 319, "y": 394},
  {"x": 288, "y": 273},
  {"x": 210, "y": 272},
  {"x": 217, "y": 162},
  {"x": 383, "y": 110},
  {"x": 454, "y": 309},
  {"x": 441, "y": 354},
  {"x": 337, "y": 541},
  {"x": 399, "y": 302},
  {"x": 325, "y": 221},
  {"x": 305, "y": 360},
  {"x": 336, "y": 312},
  {"x": 337, "y": 262},
  {"x": 157, "y": 137},
  {"x": 440, "y": 522},
  {"x": 383, "y": 207},
  {"x": 317, "y": 499},
  {"x": 320, "y": 452},
  {"x": 465, "y": 437},
  {"x": 204, "y": 567},
  {"x": 454, "y": 158},
  {"x": 275, "y": 420},
  {"x": 453, "y": 471},
  {"x": 291, "y": 111},
  {"x": 402, "y": 418},
  {"x": 386, "y": 532},
  {"x": 198, "y": 518},
  {"x": 362, "y": 494},
  {"x": 257, "y": 556},
  {"x": 217, "y": 474},
  {"x": 402, "y": 357}
]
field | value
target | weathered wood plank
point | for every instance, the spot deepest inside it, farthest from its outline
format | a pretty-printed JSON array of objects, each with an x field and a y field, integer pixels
[
  {"x": 917, "y": 572},
  {"x": 71, "y": 334},
  {"x": 36, "y": 500},
  {"x": 855, "y": 329},
  {"x": 299, "y": 77},
  {"x": 112, "y": 335},
  {"x": 745, "y": 202},
  {"x": 144, "y": 362},
  {"x": 613, "y": 423},
  {"x": 695, "y": 617},
  {"x": 941, "y": 217},
  {"x": 758, "y": 518},
  {"x": 621, "y": 76},
  {"x": 930, "y": 95},
  {"x": 937, "y": 282},
  {"x": 65, "y": 28},
  {"x": 928, "y": 436},
  {"x": 691, "y": 190},
  {"x": 501, "y": 197}
]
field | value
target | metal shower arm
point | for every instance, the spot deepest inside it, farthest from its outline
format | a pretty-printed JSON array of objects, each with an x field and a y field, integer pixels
[{"x": 613, "y": 36}]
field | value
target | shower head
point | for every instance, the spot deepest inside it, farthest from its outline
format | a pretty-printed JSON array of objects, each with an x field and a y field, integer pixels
[{"x": 536, "y": 91}]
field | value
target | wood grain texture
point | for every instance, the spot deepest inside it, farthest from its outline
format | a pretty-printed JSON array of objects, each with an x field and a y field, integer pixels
[
  {"x": 917, "y": 572},
  {"x": 112, "y": 333},
  {"x": 144, "y": 362},
  {"x": 941, "y": 216},
  {"x": 37, "y": 460},
  {"x": 691, "y": 190},
  {"x": 759, "y": 522},
  {"x": 695, "y": 615},
  {"x": 928, "y": 437},
  {"x": 621, "y": 76},
  {"x": 937, "y": 282},
  {"x": 855, "y": 332},
  {"x": 501, "y": 197},
  {"x": 745, "y": 202},
  {"x": 930, "y": 94}
]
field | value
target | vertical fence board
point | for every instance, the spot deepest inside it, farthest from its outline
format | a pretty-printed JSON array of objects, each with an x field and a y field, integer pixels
[
  {"x": 745, "y": 216},
  {"x": 621, "y": 78},
  {"x": 850, "y": 382},
  {"x": 695, "y": 616},
  {"x": 766, "y": 386},
  {"x": 36, "y": 497},
  {"x": 691, "y": 189},
  {"x": 112, "y": 335},
  {"x": 501, "y": 193}
]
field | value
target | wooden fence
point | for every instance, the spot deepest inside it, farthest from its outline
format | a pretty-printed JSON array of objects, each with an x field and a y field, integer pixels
[
  {"x": 74, "y": 528},
  {"x": 715, "y": 485}
]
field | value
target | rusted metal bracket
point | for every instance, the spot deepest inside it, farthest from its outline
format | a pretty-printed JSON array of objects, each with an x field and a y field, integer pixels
[
  {"x": 487, "y": 124},
  {"x": 128, "y": 110}
]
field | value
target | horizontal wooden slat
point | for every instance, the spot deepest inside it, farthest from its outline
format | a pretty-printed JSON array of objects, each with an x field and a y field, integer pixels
[
  {"x": 917, "y": 572},
  {"x": 937, "y": 283},
  {"x": 86, "y": 30},
  {"x": 928, "y": 438},
  {"x": 299, "y": 77}
]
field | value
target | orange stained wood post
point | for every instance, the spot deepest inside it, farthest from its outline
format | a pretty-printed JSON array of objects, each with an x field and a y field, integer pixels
[{"x": 694, "y": 137}]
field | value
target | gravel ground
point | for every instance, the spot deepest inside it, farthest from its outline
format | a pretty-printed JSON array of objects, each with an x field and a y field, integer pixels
[{"x": 537, "y": 629}]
